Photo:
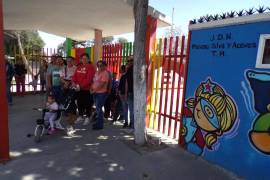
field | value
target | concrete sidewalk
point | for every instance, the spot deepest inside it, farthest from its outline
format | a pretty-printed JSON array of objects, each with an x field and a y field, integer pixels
[{"x": 93, "y": 155}]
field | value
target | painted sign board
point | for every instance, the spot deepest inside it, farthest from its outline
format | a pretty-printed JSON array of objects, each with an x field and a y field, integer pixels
[{"x": 227, "y": 101}]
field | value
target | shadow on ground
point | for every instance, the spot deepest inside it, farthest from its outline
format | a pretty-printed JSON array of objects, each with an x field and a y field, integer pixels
[{"x": 97, "y": 155}]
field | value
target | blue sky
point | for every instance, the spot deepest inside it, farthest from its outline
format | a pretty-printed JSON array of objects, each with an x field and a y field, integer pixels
[{"x": 183, "y": 12}]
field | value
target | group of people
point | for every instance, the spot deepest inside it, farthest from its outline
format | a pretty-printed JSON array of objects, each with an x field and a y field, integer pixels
[
  {"x": 94, "y": 86},
  {"x": 19, "y": 71}
]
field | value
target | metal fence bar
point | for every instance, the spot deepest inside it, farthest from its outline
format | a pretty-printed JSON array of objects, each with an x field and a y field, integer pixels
[
  {"x": 173, "y": 81},
  {"x": 168, "y": 72},
  {"x": 162, "y": 81},
  {"x": 184, "y": 89},
  {"x": 157, "y": 80},
  {"x": 179, "y": 82},
  {"x": 152, "y": 98}
]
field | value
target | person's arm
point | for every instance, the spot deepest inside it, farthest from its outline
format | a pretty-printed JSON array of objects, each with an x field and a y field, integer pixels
[
  {"x": 16, "y": 70},
  {"x": 49, "y": 79},
  {"x": 11, "y": 72},
  {"x": 24, "y": 70},
  {"x": 74, "y": 78},
  {"x": 126, "y": 90},
  {"x": 63, "y": 76}
]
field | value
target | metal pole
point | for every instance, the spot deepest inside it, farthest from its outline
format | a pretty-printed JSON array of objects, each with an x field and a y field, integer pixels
[{"x": 4, "y": 139}]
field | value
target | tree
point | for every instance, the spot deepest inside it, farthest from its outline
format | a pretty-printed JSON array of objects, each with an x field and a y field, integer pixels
[
  {"x": 122, "y": 40},
  {"x": 29, "y": 39},
  {"x": 23, "y": 40},
  {"x": 107, "y": 40},
  {"x": 140, "y": 9}
]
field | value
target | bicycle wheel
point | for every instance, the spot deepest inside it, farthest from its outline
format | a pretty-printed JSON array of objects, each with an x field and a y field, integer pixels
[{"x": 38, "y": 133}]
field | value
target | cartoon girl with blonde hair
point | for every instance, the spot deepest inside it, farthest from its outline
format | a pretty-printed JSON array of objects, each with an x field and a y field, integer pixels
[{"x": 208, "y": 115}]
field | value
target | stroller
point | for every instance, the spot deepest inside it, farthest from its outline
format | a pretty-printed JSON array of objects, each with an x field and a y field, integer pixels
[{"x": 42, "y": 126}]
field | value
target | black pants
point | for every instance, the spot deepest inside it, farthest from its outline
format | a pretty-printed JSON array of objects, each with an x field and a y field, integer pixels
[
  {"x": 107, "y": 106},
  {"x": 85, "y": 102}
]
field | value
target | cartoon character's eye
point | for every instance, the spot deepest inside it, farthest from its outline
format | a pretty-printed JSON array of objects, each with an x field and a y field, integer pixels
[{"x": 208, "y": 111}]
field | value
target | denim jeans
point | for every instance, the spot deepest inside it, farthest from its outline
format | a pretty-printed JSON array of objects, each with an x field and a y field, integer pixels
[
  {"x": 58, "y": 93},
  {"x": 131, "y": 109},
  {"x": 124, "y": 108},
  {"x": 9, "y": 96},
  {"x": 100, "y": 100}
]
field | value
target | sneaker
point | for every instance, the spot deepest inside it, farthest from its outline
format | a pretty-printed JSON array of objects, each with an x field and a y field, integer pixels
[
  {"x": 70, "y": 131},
  {"x": 86, "y": 121},
  {"x": 79, "y": 119},
  {"x": 51, "y": 131}
]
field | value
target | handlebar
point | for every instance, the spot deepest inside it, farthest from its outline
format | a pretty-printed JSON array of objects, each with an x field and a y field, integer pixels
[{"x": 45, "y": 109}]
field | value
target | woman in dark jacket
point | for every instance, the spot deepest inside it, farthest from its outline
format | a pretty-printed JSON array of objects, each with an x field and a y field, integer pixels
[{"x": 20, "y": 72}]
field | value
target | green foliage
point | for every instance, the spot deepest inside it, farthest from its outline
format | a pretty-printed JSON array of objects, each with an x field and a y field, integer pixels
[
  {"x": 29, "y": 39},
  {"x": 122, "y": 40},
  {"x": 107, "y": 40}
]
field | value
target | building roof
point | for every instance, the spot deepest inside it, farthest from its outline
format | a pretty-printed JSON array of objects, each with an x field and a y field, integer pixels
[{"x": 75, "y": 19}]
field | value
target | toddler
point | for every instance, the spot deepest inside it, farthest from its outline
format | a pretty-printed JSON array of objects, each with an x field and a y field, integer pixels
[
  {"x": 51, "y": 113},
  {"x": 34, "y": 83}
]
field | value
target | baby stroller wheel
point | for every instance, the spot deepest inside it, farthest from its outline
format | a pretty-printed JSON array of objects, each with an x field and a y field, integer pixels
[{"x": 38, "y": 133}]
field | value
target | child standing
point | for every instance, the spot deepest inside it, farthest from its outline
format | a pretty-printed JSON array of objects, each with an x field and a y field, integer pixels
[
  {"x": 34, "y": 83},
  {"x": 51, "y": 114}
]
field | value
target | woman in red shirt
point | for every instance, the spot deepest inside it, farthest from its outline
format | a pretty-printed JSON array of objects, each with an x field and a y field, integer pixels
[{"x": 83, "y": 78}]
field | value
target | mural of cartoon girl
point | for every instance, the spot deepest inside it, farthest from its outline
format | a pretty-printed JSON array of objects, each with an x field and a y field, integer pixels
[{"x": 206, "y": 116}]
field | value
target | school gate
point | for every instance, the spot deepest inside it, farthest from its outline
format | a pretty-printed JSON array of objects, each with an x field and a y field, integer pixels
[{"x": 166, "y": 75}]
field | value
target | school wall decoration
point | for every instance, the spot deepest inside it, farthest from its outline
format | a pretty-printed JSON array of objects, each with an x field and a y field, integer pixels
[
  {"x": 209, "y": 114},
  {"x": 226, "y": 116},
  {"x": 260, "y": 133}
]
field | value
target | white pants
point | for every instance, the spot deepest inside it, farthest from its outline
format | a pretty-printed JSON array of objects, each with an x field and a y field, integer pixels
[{"x": 50, "y": 116}]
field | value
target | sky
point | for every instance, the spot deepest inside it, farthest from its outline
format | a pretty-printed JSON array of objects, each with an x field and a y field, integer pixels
[{"x": 184, "y": 11}]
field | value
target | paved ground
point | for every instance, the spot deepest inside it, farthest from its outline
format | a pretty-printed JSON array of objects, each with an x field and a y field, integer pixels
[{"x": 93, "y": 155}]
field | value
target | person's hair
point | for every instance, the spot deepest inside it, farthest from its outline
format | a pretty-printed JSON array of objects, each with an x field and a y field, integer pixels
[
  {"x": 19, "y": 59},
  {"x": 54, "y": 57},
  {"x": 58, "y": 56},
  {"x": 130, "y": 58},
  {"x": 51, "y": 95},
  {"x": 102, "y": 62},
  {"x": 84, "y": 54},
  {"x": 224, "y": 106},
  {"x": 70, "y": 57},
  {"x": 123, "y": 68}
]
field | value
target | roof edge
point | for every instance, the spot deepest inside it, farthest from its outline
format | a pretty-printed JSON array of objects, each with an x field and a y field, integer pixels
[
  {"x": 231, "y": 21},
  {"x": 155, "y": 13}
]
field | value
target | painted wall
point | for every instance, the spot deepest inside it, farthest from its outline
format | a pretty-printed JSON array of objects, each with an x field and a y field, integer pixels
[{"x": 226, "y": 118}]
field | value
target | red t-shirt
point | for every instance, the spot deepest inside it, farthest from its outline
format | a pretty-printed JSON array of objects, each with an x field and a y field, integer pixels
[{"x": 84, "y": 75}]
